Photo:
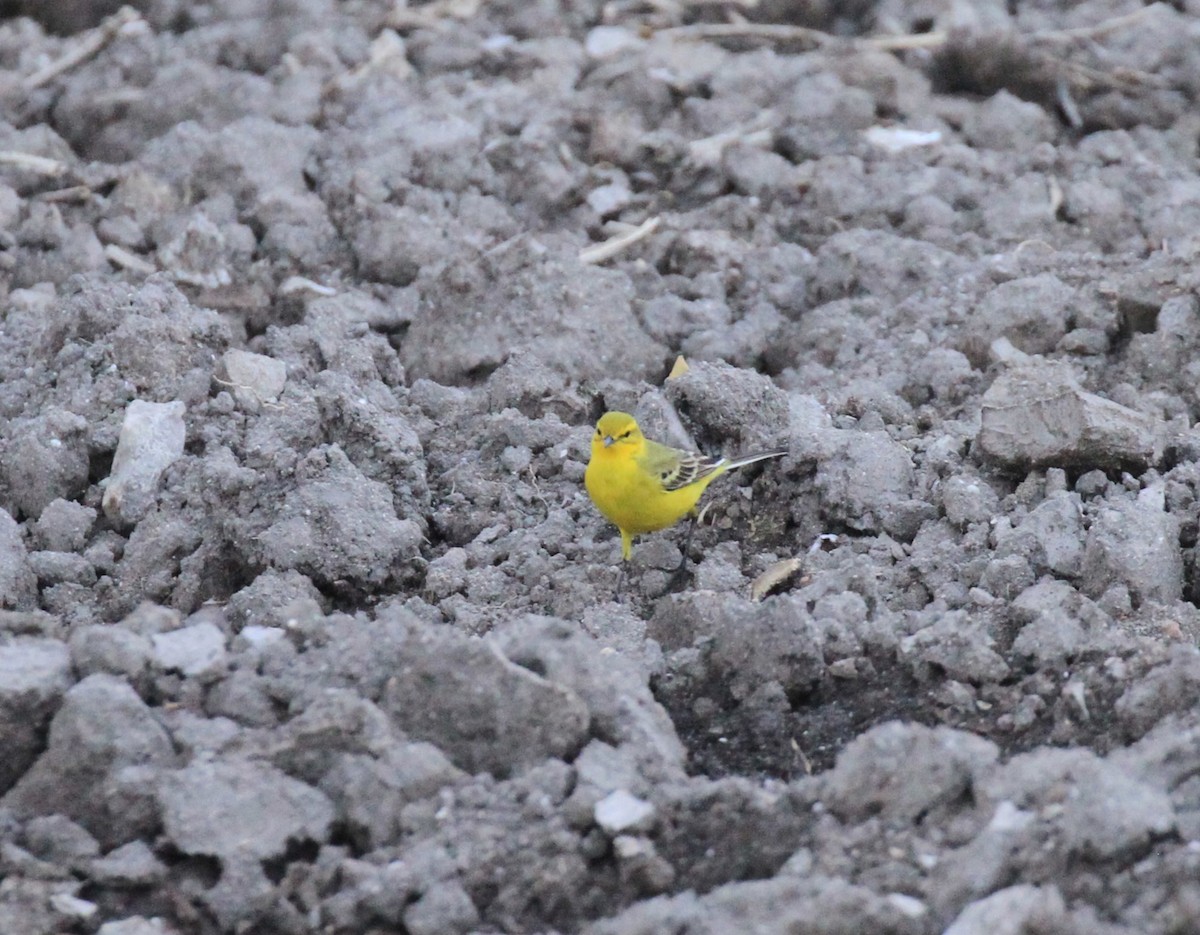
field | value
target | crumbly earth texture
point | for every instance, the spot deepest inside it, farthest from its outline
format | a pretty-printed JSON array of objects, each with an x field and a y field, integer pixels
[{"x": 306, "y": 623}]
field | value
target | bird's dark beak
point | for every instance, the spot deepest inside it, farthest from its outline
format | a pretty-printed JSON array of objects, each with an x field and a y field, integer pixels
[{"x": 608, "y": 440}]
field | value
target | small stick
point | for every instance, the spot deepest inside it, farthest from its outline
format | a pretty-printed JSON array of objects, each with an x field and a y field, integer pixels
[
  {"x": 1098, "y": 29},
  {"x": 921, "y": 40},
  {"x": 744, "y": 4},
  {"x": 1066, "y": 103},
  {"x": 432, "y": 15},
  {"x": 74, "y": 193},
  {"x": 614, "y": 245},
  {"x": 265, "y": 403},
  {"x": 779, "y": 32},
  {"x": 93, "y": 42},
  {"x": 708, "y": 151},
  {"x": 43, "y": 165},
  {"x": 294, "y": 284},
  {"x": 121, "y": 257}
]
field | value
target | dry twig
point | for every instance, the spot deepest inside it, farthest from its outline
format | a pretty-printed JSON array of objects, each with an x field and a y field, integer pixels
[
  {"x": 431, "y": 15},
  {"x": 1097, "y": 29},
  {"x": 59, "y": 195},
  {"x": 42, "y": 165},
  {"x": 296, "y": 284},
  {"x": 121, "y": 257},
  {"x": 126, "y": 21},
  {"x": 614, "y": 245},
  {"x": 782, "y": 32}
]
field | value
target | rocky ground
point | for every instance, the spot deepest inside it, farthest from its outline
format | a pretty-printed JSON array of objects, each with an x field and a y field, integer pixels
[{"x": 308, "y": 625}]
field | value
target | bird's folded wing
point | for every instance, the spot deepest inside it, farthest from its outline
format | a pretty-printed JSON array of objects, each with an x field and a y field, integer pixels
[{"x": 675, "y": 468}]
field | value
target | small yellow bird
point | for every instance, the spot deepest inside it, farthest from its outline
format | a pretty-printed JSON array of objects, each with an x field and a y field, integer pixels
[{"x": 642, "y": 486}]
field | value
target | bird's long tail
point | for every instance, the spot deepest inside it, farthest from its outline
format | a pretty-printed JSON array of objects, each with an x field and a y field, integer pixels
[{"x": 729, "y": 465}]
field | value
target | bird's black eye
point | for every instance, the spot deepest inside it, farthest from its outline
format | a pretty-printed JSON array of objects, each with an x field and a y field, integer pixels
[{"x": 627, "y": 433}]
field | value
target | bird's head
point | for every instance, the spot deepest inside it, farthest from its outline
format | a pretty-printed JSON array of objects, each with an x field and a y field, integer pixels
[{"x": 616, "y": 429}]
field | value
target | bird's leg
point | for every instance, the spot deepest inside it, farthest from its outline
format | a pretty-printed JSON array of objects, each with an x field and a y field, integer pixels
[
  {"x": 626, "y": 558},
  {"x": 687, "y": 541},
  {"x": 617, "y": 595}
]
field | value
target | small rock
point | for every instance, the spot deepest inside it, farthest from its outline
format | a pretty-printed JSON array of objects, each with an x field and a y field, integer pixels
[
  {"x": 621, "y": 811},
  {"x": 968, "y": 500},
  {"x": 1037, "y": 415},
  {"x": 1057, "y": 622},
  {"x": 242, "y": 696},
  {"x": 1012, "y": 911},
  {"x": 443, "y": 909},
  {"x": 749, "y": 644},
  {"x": 338, "y": 524},
  {"x": 619, "y": 702},
  {"x": 131, "y": 865},
  {"x": 73, "y": 907},
  {"x": 446, "y": 574},
  {"x": 18, "y": 583},
  {"x": 1006, "y": 122},
  {"x": 900, "y": 771},
  {"x": 34, "y": 675},
  {"x": 1168, "y": 688},
  {"x": 1007, "y": 576},
  {"x": 63, "y": 526},
  {"x": 240, "y": 808},
  {"x": 1032, "y": 313},
  {"x": 606, "y": 41},
  {"x": 25, "y": 902},
  {"x": 509, "y": 301},
  {"x": 148, "y": 619},
  {"x": 956, "y": 644},
  {"x": 270, "y": 599},
  {"x": 112, "y": 649},
  {"x": 1134, "y": 543},
  {"x": 192, "y": 651},
  {"x": 791, "y": 903},
  {"x": 640, "y": 865},
  {"x": 151, "y": 440},
  {"x": 604, "y": 768},
  {"x": 137, "y": 925},
  {"x": 371, "y": 792},
  {"x": 45, "y": 459},
  {"x": 843, "y": 669},
  {"x": 17, "y": 862},
  {"x": 101, "y": 727},
  {"x": 609, "y": 199},
  {"x": 732, "y": 403},
  {"x": 486, "y": 713},
  {"x": 1091, "y": 484},
  {"x": 58, "y": 840},
  {"x": 1111, "y": 813},
  {"x": 1051, "y": 536},
  {"x": 259, "y": 637},
  {"x": 898, "y": 139},
  {"x": 866, "y": 481},
  {"x": 54, "y": 568},
  {"x": 255, "y": 378}
]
